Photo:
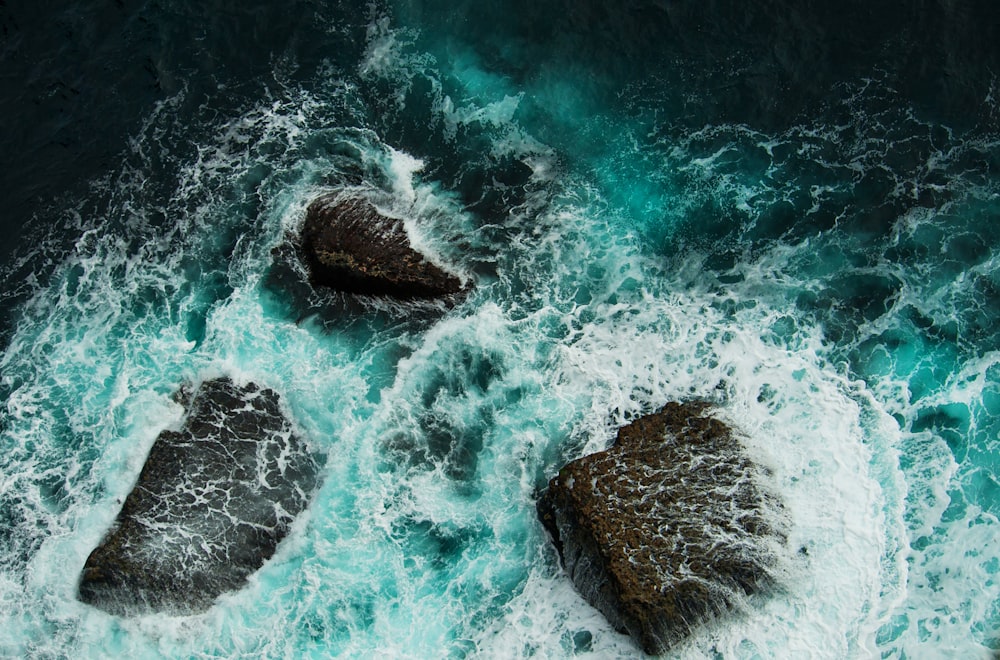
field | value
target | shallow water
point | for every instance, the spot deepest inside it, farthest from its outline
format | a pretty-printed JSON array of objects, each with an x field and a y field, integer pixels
[{"x": 641, "y": 223}]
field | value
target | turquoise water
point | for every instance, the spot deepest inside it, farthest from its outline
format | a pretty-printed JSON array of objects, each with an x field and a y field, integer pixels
[{"x": 832, "y": 284}]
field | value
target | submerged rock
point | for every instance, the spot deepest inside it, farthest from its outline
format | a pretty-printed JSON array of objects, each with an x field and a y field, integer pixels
[
  {"x": 666, "y": 529},
  {"x": 349, "y": 246},
  {"x": 209, "y": 508}
]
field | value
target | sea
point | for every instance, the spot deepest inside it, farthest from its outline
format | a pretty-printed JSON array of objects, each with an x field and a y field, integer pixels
[{"x": 789, "y": 209}]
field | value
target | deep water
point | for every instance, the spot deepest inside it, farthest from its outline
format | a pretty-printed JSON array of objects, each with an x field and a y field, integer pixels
[{"x": 790, "y": 209}]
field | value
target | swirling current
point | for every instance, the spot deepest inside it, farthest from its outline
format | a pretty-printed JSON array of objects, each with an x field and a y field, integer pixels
[{"x": 790, "y": 210}]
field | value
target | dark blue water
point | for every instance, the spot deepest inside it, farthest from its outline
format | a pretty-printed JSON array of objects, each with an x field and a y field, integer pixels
[{"x": 789, "y": 209}]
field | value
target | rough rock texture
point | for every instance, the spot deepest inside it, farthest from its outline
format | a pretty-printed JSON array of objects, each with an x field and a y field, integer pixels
[
  {"x": 666, "y": 529},
  {"x": 210, "y": 506},
  {"x": 349, "y": 246}
]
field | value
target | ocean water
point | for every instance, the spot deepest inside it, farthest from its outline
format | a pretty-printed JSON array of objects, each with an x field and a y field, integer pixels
[{"x": 792, "y": 211}]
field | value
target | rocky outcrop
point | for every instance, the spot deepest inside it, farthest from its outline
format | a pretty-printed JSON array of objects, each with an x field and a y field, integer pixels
[
  {"x": 210, "y": 506},
  {"x": 349, "y": 246},
  {"x": 666, "y": 529}
]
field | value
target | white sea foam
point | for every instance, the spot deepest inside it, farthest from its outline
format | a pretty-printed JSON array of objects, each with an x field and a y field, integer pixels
[{"x": 422, "y": 540}]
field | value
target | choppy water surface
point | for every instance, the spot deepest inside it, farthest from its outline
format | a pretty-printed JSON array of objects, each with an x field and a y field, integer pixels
[{"x": 825, "y": 271}]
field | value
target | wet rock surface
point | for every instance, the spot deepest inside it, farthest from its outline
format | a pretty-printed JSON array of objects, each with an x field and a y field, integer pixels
[
  {"x": 209, "y": 508},
  {"x": 666, "y": 529},
  {"x": 349, "y": 246}
]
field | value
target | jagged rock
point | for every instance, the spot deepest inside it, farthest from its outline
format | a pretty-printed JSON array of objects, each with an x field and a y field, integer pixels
[
  {"x": 666, "y": 529},
  {"x": 210, "y": 505},
  {"x": 349, "y": 246}
]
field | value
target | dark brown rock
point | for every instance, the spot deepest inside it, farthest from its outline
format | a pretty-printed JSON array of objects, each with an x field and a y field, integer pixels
[
  {"x": 349, "y": 246},
  {"x": 666, "y": 529},
  {"x": 210, "y": 506}
]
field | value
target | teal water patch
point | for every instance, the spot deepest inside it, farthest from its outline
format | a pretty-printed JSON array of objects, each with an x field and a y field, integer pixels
[
  {"x": 867, "y": 221},
  {"x": 829, "y": 286}
]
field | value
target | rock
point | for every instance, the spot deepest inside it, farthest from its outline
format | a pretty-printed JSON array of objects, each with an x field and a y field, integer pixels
[
  {"x": 210, "y": 505},
  {"x": 349, "y": 246},
  {"x": 667, "y": 529}
]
